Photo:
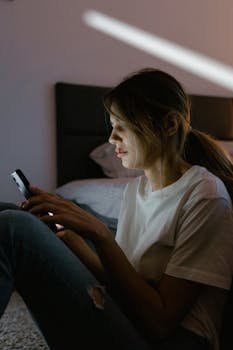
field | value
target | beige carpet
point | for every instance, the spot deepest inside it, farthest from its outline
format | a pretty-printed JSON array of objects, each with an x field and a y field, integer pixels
[{"x": 18, "y": 330}]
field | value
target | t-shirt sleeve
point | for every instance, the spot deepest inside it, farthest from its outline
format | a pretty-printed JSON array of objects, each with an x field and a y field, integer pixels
[{"x": 203, "y": 249}]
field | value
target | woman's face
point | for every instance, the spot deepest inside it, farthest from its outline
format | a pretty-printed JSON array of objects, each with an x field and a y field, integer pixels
[{"x": 128, "y": 145}]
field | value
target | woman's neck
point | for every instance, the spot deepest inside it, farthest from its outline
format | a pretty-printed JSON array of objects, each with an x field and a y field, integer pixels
[{"x": 166, "y": 172}]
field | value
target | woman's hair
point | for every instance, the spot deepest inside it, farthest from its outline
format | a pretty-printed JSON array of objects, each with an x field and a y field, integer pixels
[{"x": 145, "y": 99}]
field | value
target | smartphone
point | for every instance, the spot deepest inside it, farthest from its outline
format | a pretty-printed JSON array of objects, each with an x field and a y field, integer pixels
[{"x": 22, "y": 183}]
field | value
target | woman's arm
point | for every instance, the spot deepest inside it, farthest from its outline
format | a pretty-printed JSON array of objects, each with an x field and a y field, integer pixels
[
  {"x": 156, "y": 311},
  {"x": 85, "y": 253}
]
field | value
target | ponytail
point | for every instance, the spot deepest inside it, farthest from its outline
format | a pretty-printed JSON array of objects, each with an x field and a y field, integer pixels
[{"x": 202, "y": 149}]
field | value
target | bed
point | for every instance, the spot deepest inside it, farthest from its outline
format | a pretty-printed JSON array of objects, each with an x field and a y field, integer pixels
[{"x": 88, "y": 171}]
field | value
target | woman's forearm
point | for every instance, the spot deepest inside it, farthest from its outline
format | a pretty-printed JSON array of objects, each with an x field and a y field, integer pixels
[
  {"x": 139, "y": 300},
  {"x": 85, "y": 253}
]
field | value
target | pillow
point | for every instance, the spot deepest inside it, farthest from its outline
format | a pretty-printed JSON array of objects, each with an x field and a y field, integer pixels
[
  {"x": 105, "y": 156},
  {"x": 102, "y": 196}
]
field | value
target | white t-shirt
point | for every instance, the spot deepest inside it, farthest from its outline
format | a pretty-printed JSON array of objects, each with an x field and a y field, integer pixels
[{"x": 184, "y": 230}]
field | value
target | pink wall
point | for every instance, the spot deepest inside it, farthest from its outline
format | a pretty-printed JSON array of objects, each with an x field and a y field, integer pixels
[{"x": 42, "y": 42}]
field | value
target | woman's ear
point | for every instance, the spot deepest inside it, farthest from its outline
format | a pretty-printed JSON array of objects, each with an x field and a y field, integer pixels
[{"x": 171, "y": 124}]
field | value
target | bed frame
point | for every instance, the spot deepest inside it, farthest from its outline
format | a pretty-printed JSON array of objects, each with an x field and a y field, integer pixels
[{"x": 80, "y": 126}]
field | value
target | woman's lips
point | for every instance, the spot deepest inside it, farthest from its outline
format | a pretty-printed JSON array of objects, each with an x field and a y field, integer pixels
[{"x": 120, "y": 154}]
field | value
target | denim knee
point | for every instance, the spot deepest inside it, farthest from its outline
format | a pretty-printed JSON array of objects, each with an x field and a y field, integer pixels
[{"x": 19, "y": 223}]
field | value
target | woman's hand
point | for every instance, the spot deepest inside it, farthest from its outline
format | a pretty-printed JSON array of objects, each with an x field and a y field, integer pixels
[
  {"x": 85, "y": 253},
  {"x": 71, "y": 239},
  {"x": 65, "y": 213}
]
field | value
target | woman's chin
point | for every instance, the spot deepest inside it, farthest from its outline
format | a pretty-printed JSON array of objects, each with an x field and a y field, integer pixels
[{"x": 129, "y": 166}]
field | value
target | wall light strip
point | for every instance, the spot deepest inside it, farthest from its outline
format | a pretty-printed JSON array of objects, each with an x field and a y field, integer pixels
[{"x": 186, "y": 59}]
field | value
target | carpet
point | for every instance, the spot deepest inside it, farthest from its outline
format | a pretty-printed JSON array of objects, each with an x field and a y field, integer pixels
[{"x": 18, "y": 331}]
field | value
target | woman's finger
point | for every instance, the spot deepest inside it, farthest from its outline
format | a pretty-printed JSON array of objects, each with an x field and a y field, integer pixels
[
  {"x": 41, "y": 199},
  {"x": 36, "y": 190},
  {"x": 45, "y": 208}
]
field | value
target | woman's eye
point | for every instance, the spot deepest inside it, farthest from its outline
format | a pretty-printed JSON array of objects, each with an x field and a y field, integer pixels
[{"x": 119, "y": 127}]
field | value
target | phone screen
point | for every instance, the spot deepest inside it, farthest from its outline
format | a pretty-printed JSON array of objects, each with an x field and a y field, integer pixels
[{"x": 22, "y": 183}]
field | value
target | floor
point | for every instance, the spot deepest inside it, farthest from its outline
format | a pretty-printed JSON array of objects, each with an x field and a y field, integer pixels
[{"x": 18, "y": 330}]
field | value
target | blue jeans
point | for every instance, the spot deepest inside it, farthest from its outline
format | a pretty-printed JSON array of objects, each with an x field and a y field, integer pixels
[{"x": 54, "y": 285}]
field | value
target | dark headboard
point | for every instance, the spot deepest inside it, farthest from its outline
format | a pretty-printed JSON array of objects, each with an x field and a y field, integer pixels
[
  {"x": 80, "y": 128},
  {"x": 80, "y": 123}
]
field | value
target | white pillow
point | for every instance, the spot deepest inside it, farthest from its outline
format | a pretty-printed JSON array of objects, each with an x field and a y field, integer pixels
[
  {"x": 101, "y": 195},
  {"x": 105, "y": 156}
]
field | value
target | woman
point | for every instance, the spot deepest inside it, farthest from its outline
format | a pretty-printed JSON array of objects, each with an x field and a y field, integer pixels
[{"x": 163, "y": 281}]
